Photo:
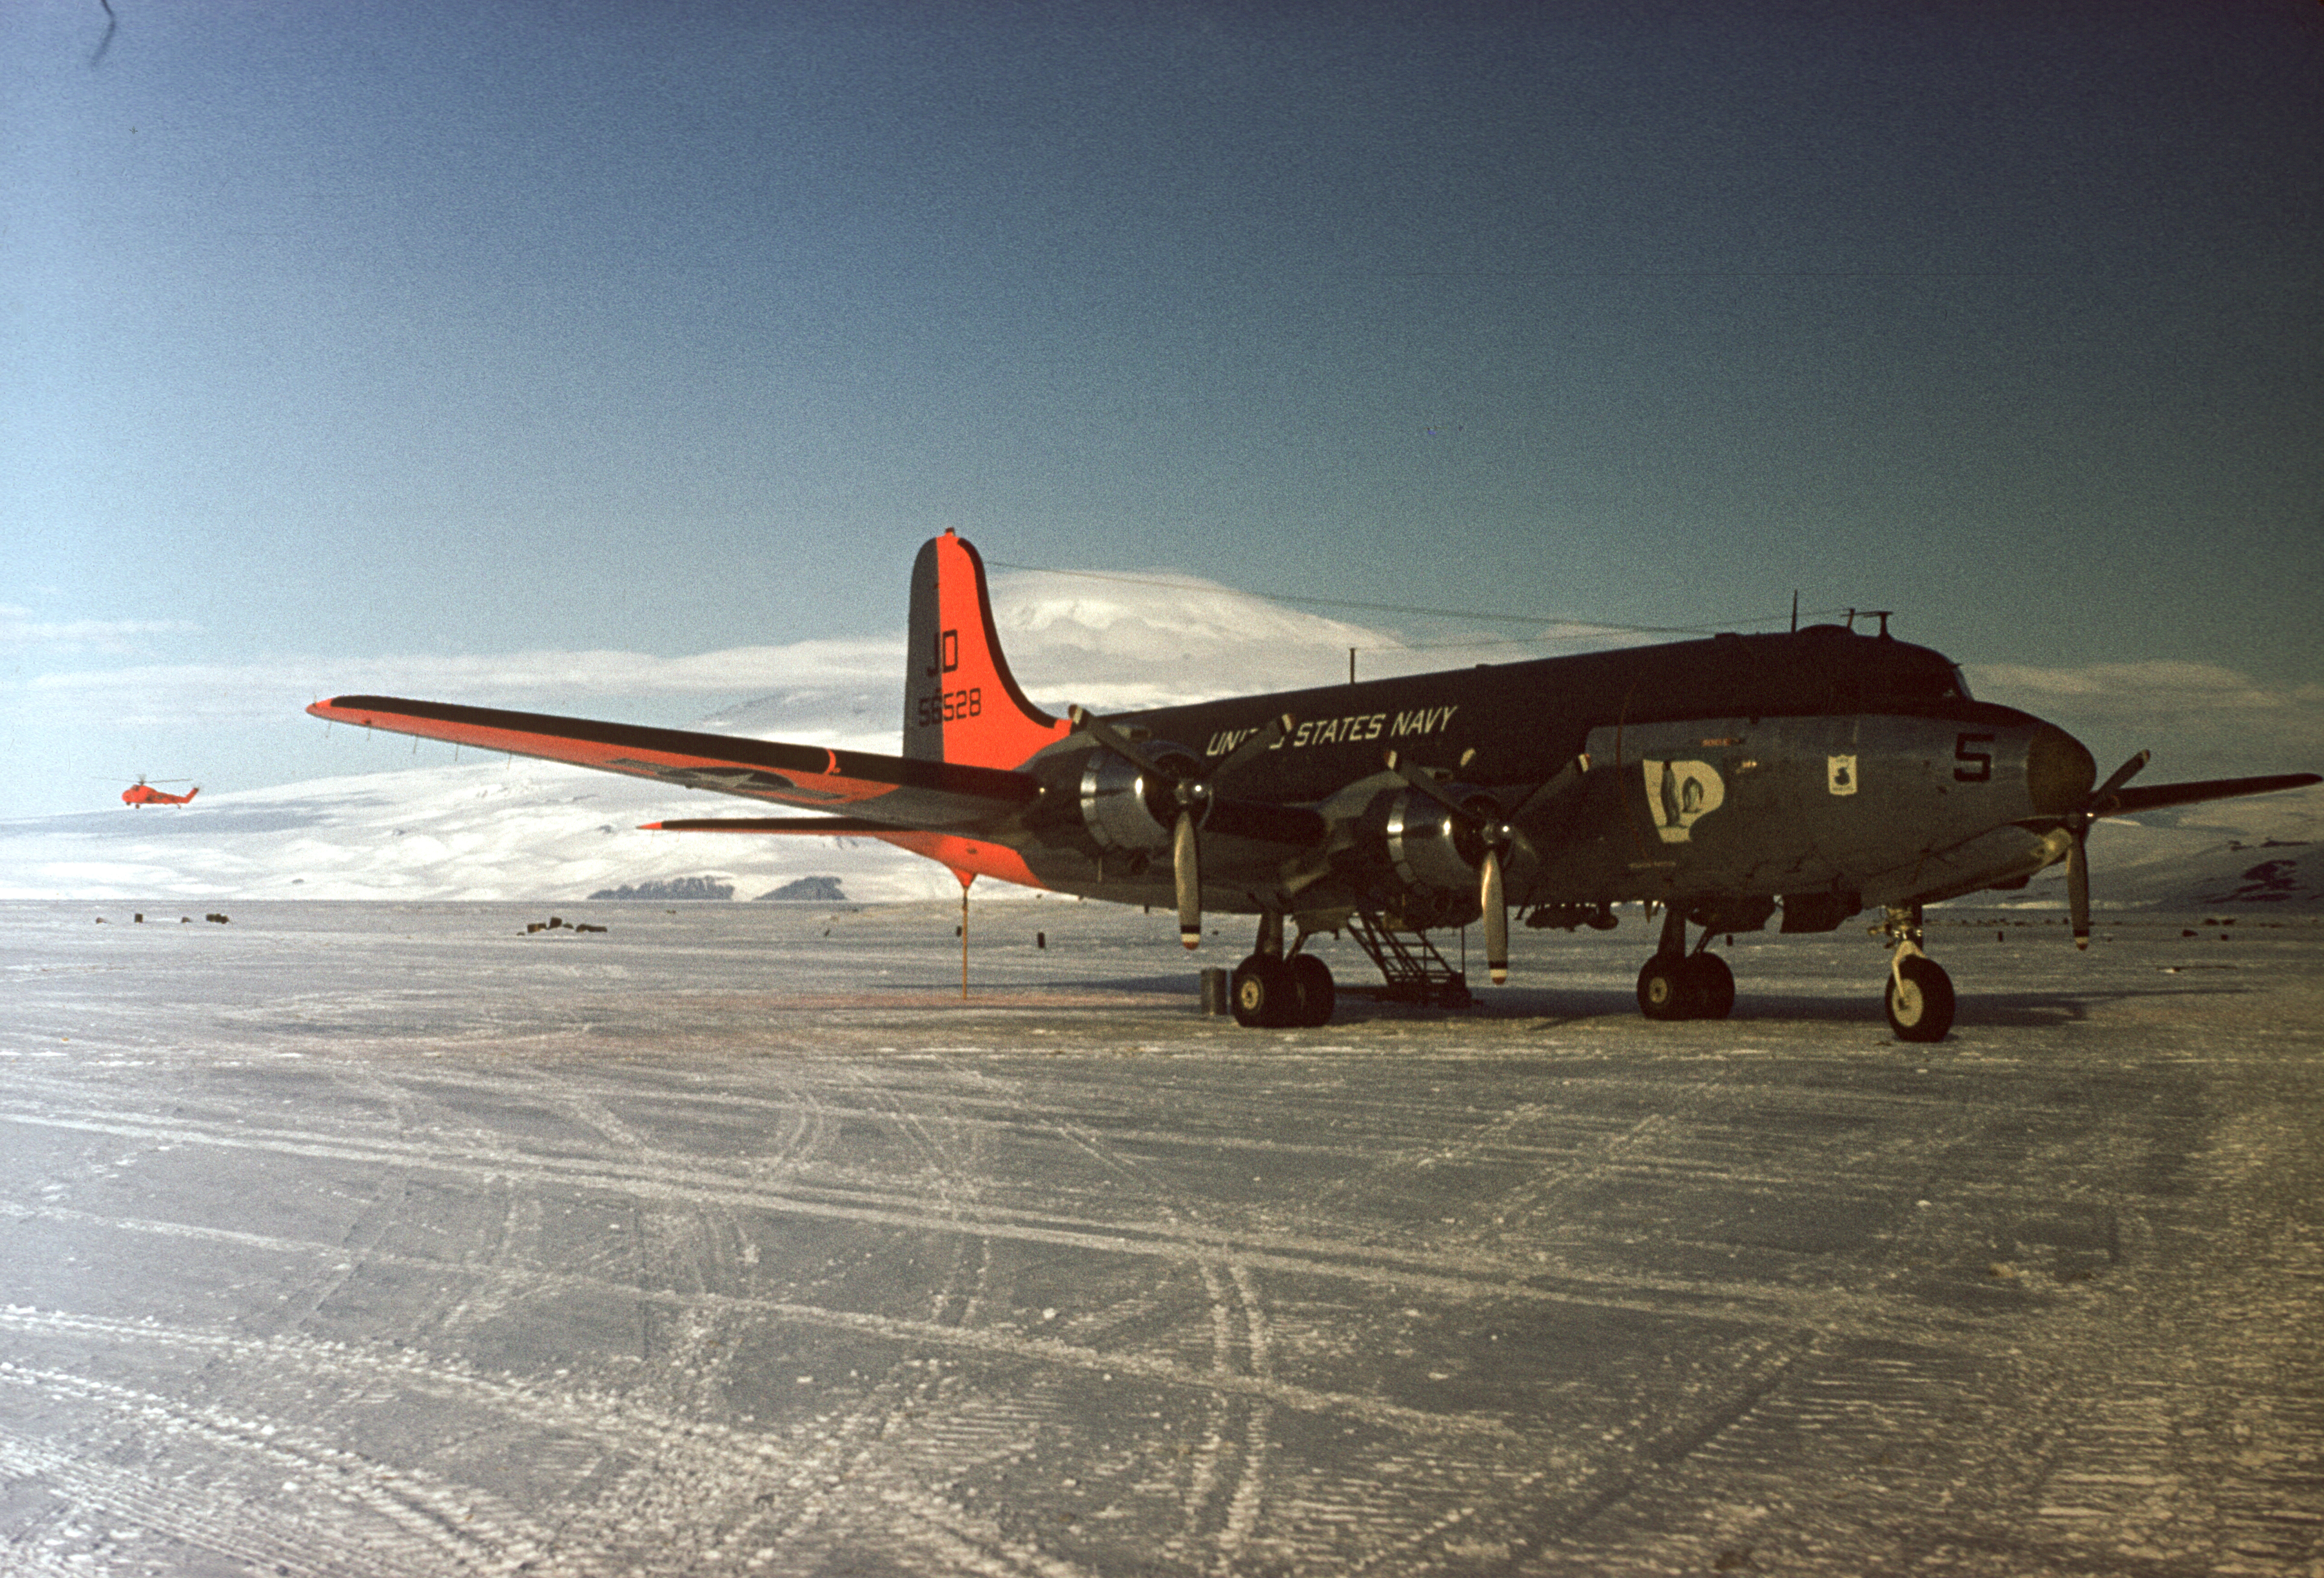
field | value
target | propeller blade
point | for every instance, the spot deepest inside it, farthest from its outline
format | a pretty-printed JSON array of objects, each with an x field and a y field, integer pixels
[
  {"x": 1114, "y": 740},
  {"x": 1555, "y": 788},
  {"x": 1553, "y": 792},
  {"x": 1498, "y": 836},
  {"x": 1496, "y": 919},
  {"x": 2077, "y": 886},
  {"x": 2122, "y": 774},
  {"x": 1417, "y": 776},
  {"x": 1260, "y": 742},
  {"x": 1194, "y": 797},
  {"x": 2078, "y": 854},
  {"x": 1187, "y": 872}
]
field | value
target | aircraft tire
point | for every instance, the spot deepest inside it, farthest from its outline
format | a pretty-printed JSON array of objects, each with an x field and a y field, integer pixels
[
  {"x": 1313, "y": 993},
  {"x": 1923, "y": 1010},
  {"x": 1263, "y": 993},
  {"x": 1711, "y": 986},
  {"x": 1665, "y": 989}
]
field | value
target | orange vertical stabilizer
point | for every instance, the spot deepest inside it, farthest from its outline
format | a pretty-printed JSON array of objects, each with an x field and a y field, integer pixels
[{"x": 961, "y": 703}]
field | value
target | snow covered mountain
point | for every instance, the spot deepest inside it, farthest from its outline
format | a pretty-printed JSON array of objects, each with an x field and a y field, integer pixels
[
  {"x": 1111, "y": 645},
  {"x": 496, "y": 829}
]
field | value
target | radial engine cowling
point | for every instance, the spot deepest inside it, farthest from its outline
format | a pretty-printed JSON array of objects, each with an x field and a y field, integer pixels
[
  {"x": 1127, "y": 810},
  {"x": 1429, "y": 848}
]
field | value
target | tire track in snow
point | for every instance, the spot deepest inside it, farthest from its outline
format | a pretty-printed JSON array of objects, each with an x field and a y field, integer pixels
[
  {"x": 355, "y": 1517},
  {"x": 982, "y": 1342},
  {"x": 686, "y": 1478},
  {"x": 1456, "y": 1274}
]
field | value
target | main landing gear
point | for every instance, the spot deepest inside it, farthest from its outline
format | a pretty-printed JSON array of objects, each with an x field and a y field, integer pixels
[
  {"x": 1274, "y": 990},
  {"x": 1919, "y": 993},
  {"x": 1678, "y": 985}
]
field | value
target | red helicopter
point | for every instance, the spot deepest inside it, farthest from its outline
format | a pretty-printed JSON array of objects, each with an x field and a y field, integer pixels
[{"x": 145, "y": 794}]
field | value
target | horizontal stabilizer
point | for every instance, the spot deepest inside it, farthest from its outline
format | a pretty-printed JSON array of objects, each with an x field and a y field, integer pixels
[
  {"x": 810, "y": 825},
  {"x": 2156, "y": 796},
  {"x": 886, "y": 791}
]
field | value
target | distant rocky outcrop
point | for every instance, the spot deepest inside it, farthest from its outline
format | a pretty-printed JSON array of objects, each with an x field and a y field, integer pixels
[
  {"x": 2271, "y": 882},
  {"x": 816, "y": 890},
  {"x": 673, "y": 887}
]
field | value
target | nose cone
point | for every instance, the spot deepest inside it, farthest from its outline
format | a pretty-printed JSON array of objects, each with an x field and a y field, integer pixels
[{"x": 2059, "y": 772}]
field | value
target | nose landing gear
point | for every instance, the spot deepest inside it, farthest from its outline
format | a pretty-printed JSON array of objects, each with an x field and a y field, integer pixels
[{"x": 1920, "y": 997}]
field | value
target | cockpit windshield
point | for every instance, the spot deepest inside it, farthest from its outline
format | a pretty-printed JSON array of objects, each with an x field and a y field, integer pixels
[{"x": 1929, "y": 679}]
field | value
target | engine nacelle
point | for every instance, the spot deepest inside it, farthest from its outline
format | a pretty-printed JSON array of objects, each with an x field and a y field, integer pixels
[
  {"x": 1127, "y": 810},
  {"x": 1429, "y": 848}
]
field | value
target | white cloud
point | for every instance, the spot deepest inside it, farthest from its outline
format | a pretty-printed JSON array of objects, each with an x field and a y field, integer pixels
[
  {"x": 1108, "y": 646},
  {"x": 2199, "y": 718},
  {"x": 2143, "y": 685},
  {"x": 216, "y": 693},
  {"x": 21, "y": 632}
]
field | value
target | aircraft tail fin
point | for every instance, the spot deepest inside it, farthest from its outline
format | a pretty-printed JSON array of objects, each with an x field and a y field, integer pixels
[{"x": 961, "y": 703}]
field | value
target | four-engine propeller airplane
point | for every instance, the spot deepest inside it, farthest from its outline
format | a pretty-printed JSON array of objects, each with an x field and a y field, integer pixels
[
  {"x": 1801, "y": 778},
  {"x": 143, "y": 793}
]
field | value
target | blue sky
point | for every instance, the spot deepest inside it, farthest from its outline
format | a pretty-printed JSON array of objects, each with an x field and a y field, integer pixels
[{"x": 339, "y": 340}]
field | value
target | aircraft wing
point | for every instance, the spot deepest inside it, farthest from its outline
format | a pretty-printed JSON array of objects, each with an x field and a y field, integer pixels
[
  {"x": 813, "y": 827},
  {"x": 888, "y": 792},
  {"x": 2155, "y": 797}
]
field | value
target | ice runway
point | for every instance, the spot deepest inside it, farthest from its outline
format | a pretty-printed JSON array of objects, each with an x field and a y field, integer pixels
[{"x": 380, "y": 1240}]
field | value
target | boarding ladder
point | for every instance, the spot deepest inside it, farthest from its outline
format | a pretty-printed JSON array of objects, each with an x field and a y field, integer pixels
[{"x": 1414, "y": 971}]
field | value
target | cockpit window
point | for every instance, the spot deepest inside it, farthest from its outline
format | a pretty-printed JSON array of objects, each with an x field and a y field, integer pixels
[
  {"x": 1926, "y": 682},
  {"x": 1960, "y": 684}
]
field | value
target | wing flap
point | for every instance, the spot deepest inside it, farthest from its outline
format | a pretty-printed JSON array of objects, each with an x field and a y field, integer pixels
[{"x": 891, "y": 792}]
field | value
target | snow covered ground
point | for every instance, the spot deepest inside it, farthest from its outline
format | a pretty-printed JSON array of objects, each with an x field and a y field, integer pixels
[{"x": 393, "y": 1238}]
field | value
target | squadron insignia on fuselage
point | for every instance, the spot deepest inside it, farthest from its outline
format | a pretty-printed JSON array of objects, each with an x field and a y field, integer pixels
[{"x": 1679, "y": 794}]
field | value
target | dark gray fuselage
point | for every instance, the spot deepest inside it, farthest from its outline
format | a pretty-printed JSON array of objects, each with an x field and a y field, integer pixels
[{"x": 1819, "y": 762}]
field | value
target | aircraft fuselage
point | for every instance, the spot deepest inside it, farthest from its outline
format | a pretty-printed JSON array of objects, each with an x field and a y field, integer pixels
[
  {"x": 1818, "y": 773},
  {"x": 1820, "y": 762}
]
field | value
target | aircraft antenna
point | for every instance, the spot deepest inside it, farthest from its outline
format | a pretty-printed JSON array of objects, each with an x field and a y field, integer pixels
[
  {"x": 1795, "y": 610},
  {"x": 1599, "y": 627}
]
